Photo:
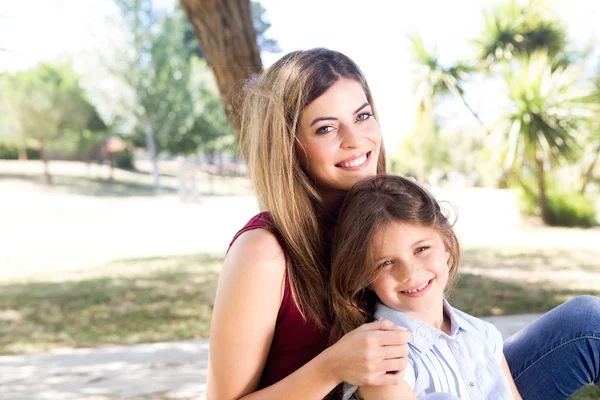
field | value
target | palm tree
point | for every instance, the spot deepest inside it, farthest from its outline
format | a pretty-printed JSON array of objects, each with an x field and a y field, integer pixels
[
  {"x": 224, "y": 27},
  {"x": 547, "y": 116},
  {"x": 588, "y": 175},
  {"x": 512, "y": 29},
  {"x": 432, "y": 80}
]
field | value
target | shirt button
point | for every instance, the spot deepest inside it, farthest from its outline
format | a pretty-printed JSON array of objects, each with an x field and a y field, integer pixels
[{"x": 472, "y": 384}]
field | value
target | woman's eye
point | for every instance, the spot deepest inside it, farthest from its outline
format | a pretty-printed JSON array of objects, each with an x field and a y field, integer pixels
[
  {"x": 324, "y": 129},
  {"x": 385, "y": 264},
  {"x": 421, "y": 249},
  {"x": 364, "y": 116}
]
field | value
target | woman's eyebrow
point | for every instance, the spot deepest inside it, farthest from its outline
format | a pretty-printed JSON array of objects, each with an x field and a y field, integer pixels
[
  {"x": 318, "y": 119},
  {"x": 361, "y": 107},
  {"x": 314, "y": 121}
]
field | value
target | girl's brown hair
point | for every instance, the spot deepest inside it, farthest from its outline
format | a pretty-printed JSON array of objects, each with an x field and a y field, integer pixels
[
  {"x": 270, "y": 121},
  {"x": 371, "y": 205}
]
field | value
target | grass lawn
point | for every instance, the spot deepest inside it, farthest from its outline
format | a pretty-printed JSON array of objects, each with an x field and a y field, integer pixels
[
  {"x": 123, "y": 302},
  {"x": 170, "y": 298}
]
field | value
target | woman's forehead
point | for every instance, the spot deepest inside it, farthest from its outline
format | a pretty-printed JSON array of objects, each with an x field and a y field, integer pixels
[{"x": 344, "y": 96}]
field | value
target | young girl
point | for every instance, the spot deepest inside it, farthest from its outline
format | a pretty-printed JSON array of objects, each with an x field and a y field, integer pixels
[{"x": 394, "y": 256}]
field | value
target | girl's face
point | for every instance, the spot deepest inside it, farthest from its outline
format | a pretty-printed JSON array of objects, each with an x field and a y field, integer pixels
[
  {"x": 340, "y": 137},
  {"x": 413, "y": 269}
]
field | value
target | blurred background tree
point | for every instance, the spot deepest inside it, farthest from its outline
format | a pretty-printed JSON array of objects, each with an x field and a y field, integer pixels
[
  {"x": 548, "y": 121},
  {"x": 44, "y": 103}
]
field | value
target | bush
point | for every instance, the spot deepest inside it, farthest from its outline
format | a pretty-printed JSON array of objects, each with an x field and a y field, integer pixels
[
  {"x": 571, "y": 208},
  {"x": 123, "y": 160},
  {"x": 567, "y": 206},
  {"x": 9, "y": 152}
]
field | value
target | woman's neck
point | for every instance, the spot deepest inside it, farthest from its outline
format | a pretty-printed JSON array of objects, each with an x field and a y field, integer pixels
[{"x": 332, "y": 200}]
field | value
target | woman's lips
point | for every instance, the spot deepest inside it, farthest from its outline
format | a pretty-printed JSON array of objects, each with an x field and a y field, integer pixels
[{"x": 355, "y": 163}]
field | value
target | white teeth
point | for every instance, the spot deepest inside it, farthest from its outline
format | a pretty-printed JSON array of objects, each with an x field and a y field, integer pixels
[
  {"x": 355, "y": 163},
  {"x": 417, "y": 289}
]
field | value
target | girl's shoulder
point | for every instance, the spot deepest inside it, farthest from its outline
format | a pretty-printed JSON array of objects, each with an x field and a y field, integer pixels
[
  {"x": 486, "y": 331},
  {"x": 475, "y": 323}
]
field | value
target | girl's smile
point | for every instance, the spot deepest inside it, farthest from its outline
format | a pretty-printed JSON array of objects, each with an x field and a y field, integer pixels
[{"x": 417, "y": 291}]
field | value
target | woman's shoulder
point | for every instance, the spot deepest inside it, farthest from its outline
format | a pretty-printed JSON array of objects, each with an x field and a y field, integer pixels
[
  {"x": 257, "y": 242},
  {"x": 261, "y": 221}
]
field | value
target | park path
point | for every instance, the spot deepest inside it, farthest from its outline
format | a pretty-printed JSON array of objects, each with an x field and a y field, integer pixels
[{"x": 158, "y": 371}]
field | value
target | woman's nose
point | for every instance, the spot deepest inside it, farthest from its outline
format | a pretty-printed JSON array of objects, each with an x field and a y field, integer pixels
[{"x": 352, "y": 137}]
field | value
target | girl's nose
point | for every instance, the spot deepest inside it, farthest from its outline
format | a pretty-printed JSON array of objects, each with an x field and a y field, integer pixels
[{"x": 406, "y": 271}]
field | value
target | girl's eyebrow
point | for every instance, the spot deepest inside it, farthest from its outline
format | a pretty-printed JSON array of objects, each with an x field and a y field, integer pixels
[
  {"x": 418, "y": 242},
  {"x": 318, "y": 119}
]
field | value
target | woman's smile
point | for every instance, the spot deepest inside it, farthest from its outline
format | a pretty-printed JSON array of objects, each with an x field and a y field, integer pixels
[{"x": 355, "y": 163}]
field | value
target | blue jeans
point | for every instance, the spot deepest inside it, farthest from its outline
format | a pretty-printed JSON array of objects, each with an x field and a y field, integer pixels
[{"x": 559, "y": 353}]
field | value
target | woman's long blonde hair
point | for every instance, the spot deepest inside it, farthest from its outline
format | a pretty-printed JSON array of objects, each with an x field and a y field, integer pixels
[
  {"x": 270, "y": 121},
  {"x": 371, "y": 205}
]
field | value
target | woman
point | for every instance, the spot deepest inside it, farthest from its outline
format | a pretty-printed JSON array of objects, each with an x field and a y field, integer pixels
[{"x": 309, "y": 132}]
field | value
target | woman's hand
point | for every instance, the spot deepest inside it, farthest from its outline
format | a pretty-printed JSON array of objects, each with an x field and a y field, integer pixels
[{"x": 373, "y": 354}]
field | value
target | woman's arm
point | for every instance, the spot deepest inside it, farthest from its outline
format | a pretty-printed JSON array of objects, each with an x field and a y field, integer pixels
[
  {"x": 248, "y": 298},
  {"x": 511, "y": 382},
  {"x": 247, "y": 301}
]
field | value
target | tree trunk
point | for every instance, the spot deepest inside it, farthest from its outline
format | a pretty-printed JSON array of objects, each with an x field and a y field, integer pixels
[
  {"x": 473, "y": 112},
  {"x": 589, "y": 174},
  {"x": 111, "y": 166},
  {"x": 542, "y": 188},
  {"x": 22, "y": 151},
  {"x": 423, "y": 129},
  {"x": 228, "y": 38},
  {"x": 44, "y": 157},
  {"x": 151, "y": 147}
]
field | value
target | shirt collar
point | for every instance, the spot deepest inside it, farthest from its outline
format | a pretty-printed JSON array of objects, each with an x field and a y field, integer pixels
[{"x": 424, "y": 335}]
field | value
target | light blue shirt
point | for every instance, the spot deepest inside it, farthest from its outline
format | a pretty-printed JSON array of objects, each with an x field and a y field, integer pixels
[{"x": 465, "y": 363}]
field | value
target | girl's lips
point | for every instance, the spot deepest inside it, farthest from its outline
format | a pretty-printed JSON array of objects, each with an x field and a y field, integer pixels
[
  {"x": 418, "y": 293},
  {"x": 355, "y": 163}
]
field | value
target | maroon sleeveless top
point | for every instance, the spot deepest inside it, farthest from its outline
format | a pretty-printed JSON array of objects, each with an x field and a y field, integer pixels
[{"x": 295, "y": 341}]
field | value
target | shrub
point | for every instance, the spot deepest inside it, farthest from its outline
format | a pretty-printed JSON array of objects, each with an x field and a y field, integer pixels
[
  {"x": 571, "y": 208},
  {"x": 123, "y": 160},
  {"x": 567, "y": 206},
  {"x": 9, "y": 152}
]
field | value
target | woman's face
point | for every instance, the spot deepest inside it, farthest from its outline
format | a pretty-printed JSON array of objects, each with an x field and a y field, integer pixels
[{"x": 340, "y": 137}]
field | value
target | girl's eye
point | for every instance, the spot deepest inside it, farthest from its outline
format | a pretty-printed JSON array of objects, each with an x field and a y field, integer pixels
[
  {"x": 364, "y": 116},
  {"x": 324, "y": 129},
  {"x": 420, "y": 249},
  {"x": 385, "y": 264}
]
